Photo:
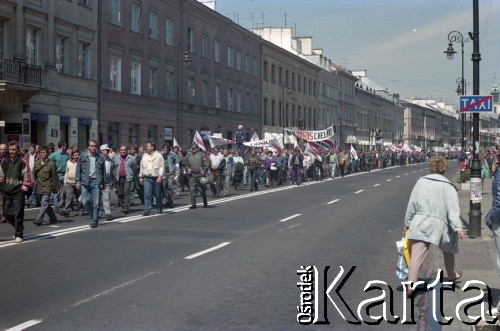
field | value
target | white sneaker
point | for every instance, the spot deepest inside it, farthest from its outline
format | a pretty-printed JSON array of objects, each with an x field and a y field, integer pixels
[{"x": 18, "y": 240}]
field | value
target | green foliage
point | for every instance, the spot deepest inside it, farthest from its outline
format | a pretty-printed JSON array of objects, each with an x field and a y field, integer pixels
[{"x": 462, "y": 176}]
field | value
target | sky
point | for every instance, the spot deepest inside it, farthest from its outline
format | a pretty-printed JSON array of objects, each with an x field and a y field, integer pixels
[{"x": 399, "y": 42}]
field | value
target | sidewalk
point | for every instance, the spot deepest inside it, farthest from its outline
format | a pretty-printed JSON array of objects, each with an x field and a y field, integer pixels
[{"x": 477, "y": 260}]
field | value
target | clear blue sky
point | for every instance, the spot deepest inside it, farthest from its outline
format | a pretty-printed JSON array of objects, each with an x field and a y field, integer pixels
[{"x": 399, "y": 42}]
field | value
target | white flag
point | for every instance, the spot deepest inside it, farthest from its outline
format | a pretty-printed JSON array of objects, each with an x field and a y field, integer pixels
[
  {"x": 198, "y": 141},
  {"x": 353, "y": 152},
  {"x": 255, "y": 137},
  {"x": 276, "y": 144},
  {"x": 310, "y": 151},
  {"x": 175, "y": 144}
]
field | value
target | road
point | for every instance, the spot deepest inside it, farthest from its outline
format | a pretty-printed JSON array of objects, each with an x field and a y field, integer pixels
[{"x": 232, "y": 266}]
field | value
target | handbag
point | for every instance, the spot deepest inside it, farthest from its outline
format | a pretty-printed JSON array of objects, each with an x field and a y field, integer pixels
[{"x": 404, "y": 249}]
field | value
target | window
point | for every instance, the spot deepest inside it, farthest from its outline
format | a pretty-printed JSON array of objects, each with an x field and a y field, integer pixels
[
  {"x": 153, "y": 25},
  {"x": 204, "y": 45},
  {"x": 135, "y": 78},
  {"x": 115, "y": 73},
  {"x": 191, "y": 89},
  {"x": 238, "y": 60},
  {"x": 190, "y": 39},
  {"x": 299, "y": 83},
  {"x": 280, "y": 75},
  {"x": 153, "y": 82},
  {"x": 217, "y": 95},
  {"x": 169, "y": 85},
  {"x": 248, "y": 64},
  {"x": 230, "y": 57},
  {"x": 169, "y": 32},
  {"x": 217, "y": 51},
  {"x": 135, "y": 22},
  {"x": 62, "y": 54},
  {"x": 229, "y": 99},
  {"x": 247, "y": 103},
  {"x": 256, "y": 69},
  {"x": 33, "y": 46},
  {"x": 85, "y": 60},
  {"x": 116, "y": 11},
  {"x": 85, "y": 3},
  {"x": 265, "y": 71},
  {"x": 3, "y": 40},
  {"x": 151, "y": 132},
  {"x": 273, "y": 73},
  {"x": 113, "y": 133},
  {"x": 133, "y": 134},
  {"x": 238, "y": 101},
  {"x": 205, "y": 92}
]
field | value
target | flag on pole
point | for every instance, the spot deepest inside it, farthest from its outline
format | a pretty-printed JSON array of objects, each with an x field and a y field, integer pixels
[
  {"x": 175, "y": 143},
  {"x": 198, "y": 141},
  {"x": 255, "y": 137},
  {"x": 276, "y": 145},
  {"x": 215, "y": 141},
  {"x": 310, "y": 151},
  {"x": 353, "y": 152}
]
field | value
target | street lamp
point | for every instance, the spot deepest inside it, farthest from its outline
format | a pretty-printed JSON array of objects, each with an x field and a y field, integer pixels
[
  {"x": 475, "y": 174},
  {"x": 457, "y": 37},
  {"x": 185, "y": 59}
]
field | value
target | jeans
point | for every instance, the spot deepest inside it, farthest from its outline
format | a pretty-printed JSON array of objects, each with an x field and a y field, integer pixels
[
  {"x": 46, "y": 208},
  {"x": 332, "y": 167},
  {"x": 59, "y": 193},
  {"x": 297, "y": 174},
  {"x": 90, "y": 199},
  {"x": 151, "y": 187}
]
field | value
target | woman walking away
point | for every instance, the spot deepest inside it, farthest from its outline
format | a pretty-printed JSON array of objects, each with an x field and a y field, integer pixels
[{"x": 433, "y": 217}]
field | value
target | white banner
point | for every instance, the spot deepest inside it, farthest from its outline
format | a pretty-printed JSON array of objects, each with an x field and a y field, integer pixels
[
  {"x": 258, "y": 143},
  {"x": 327, "y": 133}
]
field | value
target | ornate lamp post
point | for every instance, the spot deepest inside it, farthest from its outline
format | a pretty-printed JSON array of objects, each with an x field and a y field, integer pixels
[
  {"x": 185, "y": 59},
  {"x": 457, "y": 37}
]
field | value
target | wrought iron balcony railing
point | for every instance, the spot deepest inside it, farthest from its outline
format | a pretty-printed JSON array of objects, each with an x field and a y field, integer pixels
[{"x": 20, "y": 72}]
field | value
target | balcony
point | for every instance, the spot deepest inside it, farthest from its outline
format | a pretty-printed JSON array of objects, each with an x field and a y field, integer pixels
[{"x": 19, "y": 73}]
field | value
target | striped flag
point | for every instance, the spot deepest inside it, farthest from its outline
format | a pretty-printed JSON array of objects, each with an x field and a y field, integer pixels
[
  {"x": 310, "y": 151},
  {"x": 198, "y": 141},
  {"x": 215, "y": 141}
]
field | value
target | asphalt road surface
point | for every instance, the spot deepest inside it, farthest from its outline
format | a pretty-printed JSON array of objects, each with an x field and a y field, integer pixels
[{"x": 232, "y": 266}]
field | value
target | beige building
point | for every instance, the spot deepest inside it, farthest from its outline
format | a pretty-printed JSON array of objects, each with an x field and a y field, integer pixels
[{"x": 48, "y": 71}]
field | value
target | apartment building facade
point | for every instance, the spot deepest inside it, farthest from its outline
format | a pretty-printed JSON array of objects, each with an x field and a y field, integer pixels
[
  {"x": 174, "y": 70},
  {"x": 48, "y": 71}
]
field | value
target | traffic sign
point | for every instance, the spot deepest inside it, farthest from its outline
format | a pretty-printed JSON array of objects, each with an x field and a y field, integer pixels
[{"x": 476, "y": 104}]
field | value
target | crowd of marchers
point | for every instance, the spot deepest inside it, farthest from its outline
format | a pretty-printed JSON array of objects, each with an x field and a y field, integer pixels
[{"x": 62, "y": 180}]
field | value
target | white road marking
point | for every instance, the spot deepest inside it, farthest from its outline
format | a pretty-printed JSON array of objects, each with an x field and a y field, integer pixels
[
  {"x": 25, "y": 325},
  {"x": 329, "y": 203},
  {"x": 85, "y": 227},
  {"x": 389, "y": 180},
  {"x": 190, "y": 257},
  {"x": 290, "y": 217},
  {"x": 358, "y": 191},
  {"x": 112, "y": 289},
  {"x": 406, "y": 174},
  {"x": 398, "y": 176}
]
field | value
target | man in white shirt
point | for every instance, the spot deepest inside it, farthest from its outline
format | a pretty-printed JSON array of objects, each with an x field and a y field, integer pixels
[{"x": 150, "y": 175}]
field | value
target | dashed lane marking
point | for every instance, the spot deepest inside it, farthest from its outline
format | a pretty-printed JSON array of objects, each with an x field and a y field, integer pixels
[
  {"x": 24, "y": 325},
  {"x": 376, "y": 185},
  {"x": 195, "y": 255},
  {"x": 290, "y": 217},
  {"x": 358, "y": 191},
  {"x": 333, "y": 201}
]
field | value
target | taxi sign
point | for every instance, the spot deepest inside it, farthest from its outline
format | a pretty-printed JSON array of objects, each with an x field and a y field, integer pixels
[{"x": 476, "y": 104}]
